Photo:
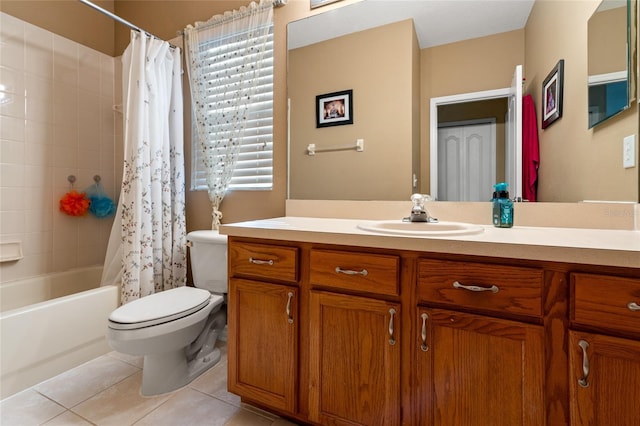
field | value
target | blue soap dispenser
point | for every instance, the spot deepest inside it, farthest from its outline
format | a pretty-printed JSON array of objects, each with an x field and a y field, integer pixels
[{"x": 502, "y": 206}]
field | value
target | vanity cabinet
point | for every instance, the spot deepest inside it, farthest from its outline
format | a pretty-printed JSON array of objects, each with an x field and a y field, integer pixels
[
  {"x": 604, "y": 350},
  {"x": 354, "y": 330},
  {"x": 263, "y": 324},
  {"x": 339, "y": 335},
  {"x": 479, "y": 369}
]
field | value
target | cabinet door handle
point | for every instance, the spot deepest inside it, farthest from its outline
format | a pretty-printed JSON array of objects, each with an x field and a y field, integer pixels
[
  {"x": 477, "y": 288},
  {"x": 584, "y": 381},
  {"x": 269, "y": 262},
  {"x": 392, "y": 339},
  {"x": 339, "y": 270},
  {"x": 289, "y": 317},
  {"x": 633, "y": 306},
  {"x": 424, "y": 346}
]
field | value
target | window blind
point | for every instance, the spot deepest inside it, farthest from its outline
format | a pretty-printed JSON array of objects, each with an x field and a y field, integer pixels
[{"x": 254, "y": 167}]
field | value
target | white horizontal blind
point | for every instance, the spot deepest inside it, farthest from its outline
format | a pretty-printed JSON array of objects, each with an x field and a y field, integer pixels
[{"x": 254, "y": 167}]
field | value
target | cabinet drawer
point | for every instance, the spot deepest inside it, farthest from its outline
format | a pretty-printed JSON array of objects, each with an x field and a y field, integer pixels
[
  {"x": 606, "y": 301},
  {"x": 263, "y": 261},
  {"x": 495, "y": 288},
  {"x": 372, "y": 273}
]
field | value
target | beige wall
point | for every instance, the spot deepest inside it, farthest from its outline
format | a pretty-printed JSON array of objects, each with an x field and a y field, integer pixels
[
  {"x": 577, "y": 163},
  {"x": 607, "y": 41},
  {"x": 377, "y": 64},
  {"x": 475, "y": 65}
]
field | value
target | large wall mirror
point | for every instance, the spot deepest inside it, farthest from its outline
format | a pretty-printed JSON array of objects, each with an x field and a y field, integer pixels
[
  {"x": 381, "y": 51},
  {"x": 609, "y": 59}
]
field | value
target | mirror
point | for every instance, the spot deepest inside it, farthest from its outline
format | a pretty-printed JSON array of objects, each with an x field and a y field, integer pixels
[
  {"x": 608, "y": 61},
  {"x": 394, "y": 125}
]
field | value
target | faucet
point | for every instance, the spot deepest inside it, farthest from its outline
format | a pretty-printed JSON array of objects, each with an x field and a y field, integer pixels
[{"x": 418, "y": 212}]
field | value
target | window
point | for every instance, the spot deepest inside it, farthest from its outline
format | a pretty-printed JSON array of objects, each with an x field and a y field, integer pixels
[{"x": 254, "y": 168}]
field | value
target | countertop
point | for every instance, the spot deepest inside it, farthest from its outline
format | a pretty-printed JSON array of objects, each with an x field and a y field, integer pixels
[{"x": 571, "y": 245}]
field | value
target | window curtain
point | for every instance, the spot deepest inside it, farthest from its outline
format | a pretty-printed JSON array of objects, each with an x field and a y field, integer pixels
[
  {"x": 147, "y": 248},
  {"x": 219, "y": 133}
]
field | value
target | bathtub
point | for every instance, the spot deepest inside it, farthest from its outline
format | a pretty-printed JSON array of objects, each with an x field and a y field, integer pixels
[{"x": 51, "y": 323}]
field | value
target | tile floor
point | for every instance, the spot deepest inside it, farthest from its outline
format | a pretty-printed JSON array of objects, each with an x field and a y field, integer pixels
[{"x": 106, "y": 391}]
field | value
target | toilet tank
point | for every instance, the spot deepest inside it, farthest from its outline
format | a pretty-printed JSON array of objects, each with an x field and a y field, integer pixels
[{"x": 208, "y": 256}]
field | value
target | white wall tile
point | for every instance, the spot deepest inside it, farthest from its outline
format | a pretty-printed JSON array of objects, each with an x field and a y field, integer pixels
[
  {"x": 11, "y": 128},
  {"x": 11, "y": 42},
  {"x": 65, "y": 60},
  {"x": 11, "y": 152},
  {"x": 61, "y": 123}
]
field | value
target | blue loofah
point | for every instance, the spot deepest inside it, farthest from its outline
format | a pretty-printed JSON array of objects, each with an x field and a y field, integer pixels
[
  {"x": 100, "y": 203},
  {"x": 101, "y": 206}
]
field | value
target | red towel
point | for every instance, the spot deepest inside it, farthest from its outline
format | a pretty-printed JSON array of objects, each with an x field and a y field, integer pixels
[{"x": 530, "y": 151}]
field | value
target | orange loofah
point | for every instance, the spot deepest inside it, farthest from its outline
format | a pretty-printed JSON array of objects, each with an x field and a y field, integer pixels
[{"x": 74, "y": 203}]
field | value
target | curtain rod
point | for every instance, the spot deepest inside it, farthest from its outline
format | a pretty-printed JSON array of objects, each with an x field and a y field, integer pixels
[{"x": 119, "y": 19}]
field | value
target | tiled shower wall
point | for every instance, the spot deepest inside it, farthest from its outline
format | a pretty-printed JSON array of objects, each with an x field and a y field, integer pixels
[{"x": 57, "y": 118}]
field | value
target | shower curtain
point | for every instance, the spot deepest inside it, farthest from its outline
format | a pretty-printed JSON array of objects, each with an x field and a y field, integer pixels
[{"x": 147, "y": 247}]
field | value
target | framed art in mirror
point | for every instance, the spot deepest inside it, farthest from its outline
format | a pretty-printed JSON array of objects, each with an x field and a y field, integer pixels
[
  {"x": 334, "y": 109},
  {"x": 552, "y": 95}
]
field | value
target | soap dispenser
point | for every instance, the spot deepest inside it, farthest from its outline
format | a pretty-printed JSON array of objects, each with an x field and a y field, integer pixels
[{"x": 502, "y": 206}]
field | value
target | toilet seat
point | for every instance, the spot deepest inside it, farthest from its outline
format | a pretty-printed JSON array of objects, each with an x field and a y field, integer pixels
[{"x": 159, "y": 308}]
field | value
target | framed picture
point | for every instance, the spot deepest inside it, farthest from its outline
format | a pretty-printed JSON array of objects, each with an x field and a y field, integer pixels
[
  {"x": 552, "y": 95},
  {"x": 334, "y": 109},
  {"x": 318, "y": 3}
]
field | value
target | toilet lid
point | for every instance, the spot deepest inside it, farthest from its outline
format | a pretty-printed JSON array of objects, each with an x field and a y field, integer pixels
[{"x": 159, "y": 308}]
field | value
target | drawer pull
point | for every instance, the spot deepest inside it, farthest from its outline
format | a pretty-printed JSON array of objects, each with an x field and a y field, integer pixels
[
  {"x": 424, "y": 346},
  {"x": 392, "y": 339},
  {"x": 339, "y": 270},
  {"x": 633, "y": 306},
  {"x": 477, "y": 288},
  {"x": 289, "y": 317},
  {"x": 584, "y": 381},
  {"x": 269, "y": 262}
]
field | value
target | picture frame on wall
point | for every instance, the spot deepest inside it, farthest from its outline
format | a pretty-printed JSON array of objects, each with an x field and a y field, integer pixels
[
  {"x": 318, "y": 3},
  {"x": 552, "y": 95},
  {"x": 334, "y": 109}
]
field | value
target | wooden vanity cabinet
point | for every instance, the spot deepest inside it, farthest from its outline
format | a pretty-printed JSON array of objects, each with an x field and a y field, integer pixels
[
  {"x": 478, "y": 369},
  {"x": 263, "y": 324},
  {"x": 604, "y": 350},
  {"x": 354, "y": 331}
]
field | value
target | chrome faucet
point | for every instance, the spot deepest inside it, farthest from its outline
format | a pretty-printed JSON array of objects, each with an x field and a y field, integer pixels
[{"x": 418, "y": 212}]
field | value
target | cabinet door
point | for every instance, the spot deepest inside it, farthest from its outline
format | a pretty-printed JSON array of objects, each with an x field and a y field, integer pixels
[
  {"x": 604, "y": 380},
  {"x": 476, "y": 370},
  {"x": 262, "y": 343},
  {"x": 354, "y": 360}
]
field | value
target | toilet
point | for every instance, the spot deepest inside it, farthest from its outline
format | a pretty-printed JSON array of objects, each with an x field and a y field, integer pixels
[{"x": 176, "y": 330}]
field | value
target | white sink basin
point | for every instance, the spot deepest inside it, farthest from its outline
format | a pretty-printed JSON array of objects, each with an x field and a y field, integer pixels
[{"x": 420, "y": 229}]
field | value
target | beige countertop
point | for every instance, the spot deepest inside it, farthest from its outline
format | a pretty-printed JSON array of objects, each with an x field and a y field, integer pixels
[{"x": 572, "y": 245}]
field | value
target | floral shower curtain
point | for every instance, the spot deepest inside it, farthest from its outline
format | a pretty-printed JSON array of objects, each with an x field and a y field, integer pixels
[
  {"x": 147, "y": 248},
  {"x": 239, "y": 40}
]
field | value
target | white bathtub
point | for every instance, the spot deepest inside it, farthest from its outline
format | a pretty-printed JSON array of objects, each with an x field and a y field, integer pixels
[{"x": 52, "y": 323}]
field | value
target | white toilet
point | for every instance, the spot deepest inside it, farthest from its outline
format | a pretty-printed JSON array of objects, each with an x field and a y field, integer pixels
[{"x": 176, "y": 330}]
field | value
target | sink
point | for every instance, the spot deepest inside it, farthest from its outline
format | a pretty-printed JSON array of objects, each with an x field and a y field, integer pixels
[{"x": 420, "y": 229}]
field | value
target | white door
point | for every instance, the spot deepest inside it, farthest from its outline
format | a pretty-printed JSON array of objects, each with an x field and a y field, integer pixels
[
  {"x": 466, "y": 160},
  {"x": 513, "y": 154}
]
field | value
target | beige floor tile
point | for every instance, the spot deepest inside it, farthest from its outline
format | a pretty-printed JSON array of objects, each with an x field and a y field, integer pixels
[
  {"x": 190, "y": 407},
  {"x": 248, "y": 418},
  {"x": 121, "y": 404},
  {"x": 86, "y": 380},
  {"x": 214, "y": 382},
  {"x": 28, "y": 408},
  {"x": 130, "y": 359},
  {"x": 67, "y": 419}
]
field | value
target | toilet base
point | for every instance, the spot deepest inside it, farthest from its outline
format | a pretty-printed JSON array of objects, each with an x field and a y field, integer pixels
[{"x": 167, "y": 372}]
